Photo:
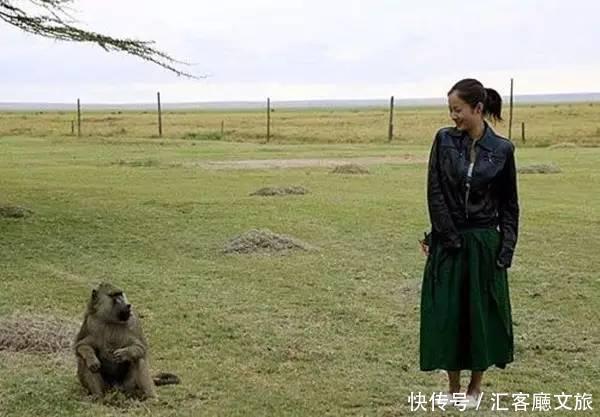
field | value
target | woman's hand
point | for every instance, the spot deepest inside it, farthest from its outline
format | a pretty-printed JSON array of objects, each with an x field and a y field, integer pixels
[{"x": 424, "y": 247}]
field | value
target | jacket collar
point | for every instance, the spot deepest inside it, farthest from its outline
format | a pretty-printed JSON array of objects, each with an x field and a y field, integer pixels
[
  {"x": 488, "y": 138},
  {"x": 486, "y": 141}
]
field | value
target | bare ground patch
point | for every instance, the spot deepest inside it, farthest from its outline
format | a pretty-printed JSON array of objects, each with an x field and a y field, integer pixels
[
  {"x": 563, "y": 145},
  {"x": 306, "y": 162}
]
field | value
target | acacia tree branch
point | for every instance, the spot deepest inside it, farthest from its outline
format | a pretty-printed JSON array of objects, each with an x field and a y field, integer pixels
[{"x": 56, "y": 24}]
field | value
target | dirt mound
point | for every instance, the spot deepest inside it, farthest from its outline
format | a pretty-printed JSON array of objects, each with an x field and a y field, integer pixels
[
  {"x": 276, "y": 191},
  {"x": 263, "y": 241},
  {"x": 14, "y": 212},
  {"x": 350, "y": 169},
  {"x": 540, "y": 169},
  {"x": 36, "y": 333},
  {"x": 139, "y": 163}
]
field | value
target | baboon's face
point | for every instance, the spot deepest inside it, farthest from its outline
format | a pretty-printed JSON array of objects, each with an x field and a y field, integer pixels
[{"x": 110, "y": 304}]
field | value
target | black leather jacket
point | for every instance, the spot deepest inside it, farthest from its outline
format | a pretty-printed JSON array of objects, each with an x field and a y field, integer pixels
[{"x": 487, "y": 199}]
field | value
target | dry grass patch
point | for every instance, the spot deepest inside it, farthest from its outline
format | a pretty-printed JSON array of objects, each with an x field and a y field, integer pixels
[
  {"x": 14, "y": 212},
  {"x": 278, "y": 191},
  {"x": 150, "y": 162},
  {"x": 350, "y": 169},
  {"x": 540, "y": 169},
  {"x": 36, "y": 333},
  {"x": 256, "y": 241}
]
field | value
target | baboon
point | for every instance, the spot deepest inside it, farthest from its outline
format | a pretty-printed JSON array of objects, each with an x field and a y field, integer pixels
[{"x": 111, "y": 348}]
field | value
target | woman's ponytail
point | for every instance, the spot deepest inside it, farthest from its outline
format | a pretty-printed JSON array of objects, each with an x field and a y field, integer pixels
[{"x": 492, "y": 107}]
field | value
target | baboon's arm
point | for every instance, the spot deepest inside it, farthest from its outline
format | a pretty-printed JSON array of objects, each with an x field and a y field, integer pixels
[
  {"x": 86, "y": 351},
  {"x": 135, "y": 351}
]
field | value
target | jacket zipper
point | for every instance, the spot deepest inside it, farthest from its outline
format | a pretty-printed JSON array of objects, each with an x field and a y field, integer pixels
[
  {"x": 472, "y": 159},
  {"x": 468, "y": 191}
]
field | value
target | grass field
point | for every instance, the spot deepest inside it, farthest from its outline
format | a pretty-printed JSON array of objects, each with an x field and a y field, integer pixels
[
  {"x": 544, "y": 124},
  {"x": 329, "y": 332}
]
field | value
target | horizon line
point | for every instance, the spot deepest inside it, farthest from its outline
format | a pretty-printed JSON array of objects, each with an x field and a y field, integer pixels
[{"x": 329, "y": 102}]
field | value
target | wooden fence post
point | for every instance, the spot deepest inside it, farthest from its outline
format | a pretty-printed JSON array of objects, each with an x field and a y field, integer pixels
[
  {"x": 159, "y": 115},
  {"x": 510, "y": 116},
  {"x": 268, "y": 119},
  {"x": 391, "y": 125},
  {"x": 78, "y": 118}
]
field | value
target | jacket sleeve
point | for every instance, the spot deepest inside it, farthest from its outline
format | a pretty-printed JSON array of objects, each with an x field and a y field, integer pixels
[
  {"x": 508, "y": 210},
  {"x": 442, "y": 224}
]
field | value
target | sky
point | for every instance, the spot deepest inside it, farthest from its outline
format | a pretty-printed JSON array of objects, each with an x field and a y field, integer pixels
[{"x": 301, "y": 50}]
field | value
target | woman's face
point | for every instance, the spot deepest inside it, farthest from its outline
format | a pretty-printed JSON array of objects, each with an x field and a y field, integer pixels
[{"x": 462, "y": 114}]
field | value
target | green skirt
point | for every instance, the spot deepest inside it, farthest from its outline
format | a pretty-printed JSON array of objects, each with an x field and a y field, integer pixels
[{"x": 466, "y": 320}]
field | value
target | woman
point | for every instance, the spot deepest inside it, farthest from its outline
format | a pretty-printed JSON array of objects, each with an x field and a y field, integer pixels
[{"x": 466, "y": 321}]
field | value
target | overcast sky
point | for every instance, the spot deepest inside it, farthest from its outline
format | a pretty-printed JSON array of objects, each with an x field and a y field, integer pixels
[{"x": 292, "y": 49}]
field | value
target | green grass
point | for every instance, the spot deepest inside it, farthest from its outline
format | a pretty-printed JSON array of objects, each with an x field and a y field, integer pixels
[{"x": 332, "y": 332}]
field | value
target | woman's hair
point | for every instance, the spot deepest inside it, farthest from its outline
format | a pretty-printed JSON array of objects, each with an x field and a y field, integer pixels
[{"x": 472, "y": 92}]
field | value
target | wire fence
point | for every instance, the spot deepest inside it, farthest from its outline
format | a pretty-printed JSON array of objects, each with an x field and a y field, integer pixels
[{"x": 535, "y": 125}]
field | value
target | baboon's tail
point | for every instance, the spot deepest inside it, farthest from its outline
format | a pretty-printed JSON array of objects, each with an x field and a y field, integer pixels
[{"x": 165, "y": 378}]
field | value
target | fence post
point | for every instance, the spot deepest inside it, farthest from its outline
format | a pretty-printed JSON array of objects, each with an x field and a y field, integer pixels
[
  {"x": 159, "y": 115},
  {"x": 268, "y": 119},
  {"x": 222, "y": 128},
  {"x": 72, "y": 127},
  {"x": 510, "y": 116},
  {"x": 78, "y": 118},
  {"x": 523, "y": 132},
  {"x": 391, "y": 125}
]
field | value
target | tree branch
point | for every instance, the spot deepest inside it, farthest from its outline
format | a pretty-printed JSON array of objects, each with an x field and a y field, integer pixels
[{"x": 56, "y": 24}]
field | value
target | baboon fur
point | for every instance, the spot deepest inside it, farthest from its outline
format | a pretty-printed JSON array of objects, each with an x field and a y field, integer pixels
[{"x": 111, "y": 348}]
